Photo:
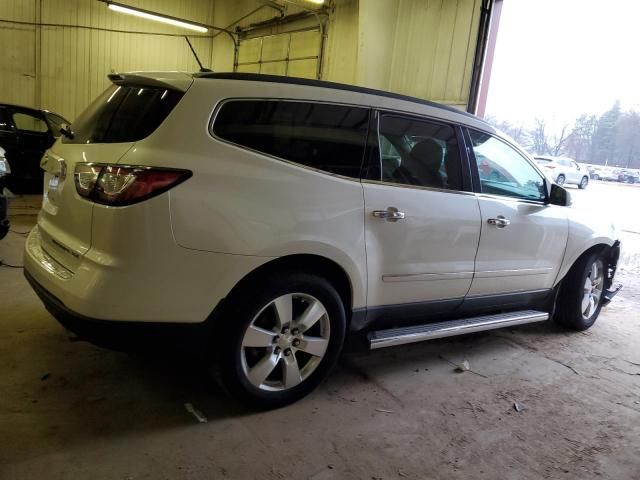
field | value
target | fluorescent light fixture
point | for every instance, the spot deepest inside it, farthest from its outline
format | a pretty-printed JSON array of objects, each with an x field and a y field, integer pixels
[
  {"x": 158, "y": 18},
  {"x": 317, "y": 2}
]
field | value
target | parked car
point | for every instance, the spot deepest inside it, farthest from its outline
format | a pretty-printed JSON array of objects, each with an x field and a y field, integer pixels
[
  {"x": 610, "y": 174},
  {"x": 25, "y": 134},
  {"x": 629, "y": 176},
  {"x": 258, "y": 219},
  {"x": 564, "y": 170},
  {"x": 595, "y": 172},
  {"x": 5, "y": 169}
]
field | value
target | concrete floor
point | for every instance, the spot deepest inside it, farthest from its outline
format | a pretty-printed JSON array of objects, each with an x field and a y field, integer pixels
[{"x": 71, "y": 410}]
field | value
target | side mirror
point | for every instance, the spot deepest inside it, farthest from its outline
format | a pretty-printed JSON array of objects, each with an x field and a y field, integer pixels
[
  {"x": 558, "y": 195},
  {"x": 65, "y": 129}
]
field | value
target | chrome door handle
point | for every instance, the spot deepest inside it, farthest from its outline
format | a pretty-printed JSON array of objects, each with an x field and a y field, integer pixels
[
  {"x": 499, "y": 222},
  {"x": 391, "y": 214}
]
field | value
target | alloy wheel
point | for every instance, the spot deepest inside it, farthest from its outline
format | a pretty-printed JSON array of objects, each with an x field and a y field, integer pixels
[
  {"x": 285, "y": 342},
  {"x": 592, "y": 290}
]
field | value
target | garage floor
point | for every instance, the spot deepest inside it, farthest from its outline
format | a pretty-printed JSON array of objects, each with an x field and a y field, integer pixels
[{"x": 70, "y": 410}]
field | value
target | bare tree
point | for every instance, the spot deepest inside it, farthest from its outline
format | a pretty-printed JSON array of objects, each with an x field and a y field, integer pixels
[
  {"x": 556, "y": 143},
  {"x": 538, "y": 136}
]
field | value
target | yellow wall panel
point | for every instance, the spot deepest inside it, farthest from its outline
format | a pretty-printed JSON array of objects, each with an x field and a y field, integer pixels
[
  {"x": 302, "y": 68},
  {"x": 72, "y": 63},
  {"x": 423, "y": 48},
  {"x": 274, "y": 68},
  {"x": 250, "y": 50},
  {"x": 304, "y": 44},
  {"x": 275, "y": 47}
]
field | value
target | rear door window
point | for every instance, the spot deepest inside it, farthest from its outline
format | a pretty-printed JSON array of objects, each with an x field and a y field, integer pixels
[
  {"x": 326, "y": 137},
  {"x": 420, "y": 153},
  {"x": 123, "y": 114},
  {"x": 26, "y": 122}
]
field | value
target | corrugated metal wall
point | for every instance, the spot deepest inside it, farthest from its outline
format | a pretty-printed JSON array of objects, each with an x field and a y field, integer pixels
[
  {"x": 63, "y": 69},
  {"x": 417, "y": 47},
  {"x": 422, "y": 48},
  {"x": 341, "y": 57},
  {"x": 433, "y": 49}
]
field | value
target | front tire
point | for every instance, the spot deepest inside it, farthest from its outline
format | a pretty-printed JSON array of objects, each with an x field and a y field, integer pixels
[
  {"x": 580, "y": 298},
  {"x": 280, "y": 339},
  {"x": 583, "y": 183},
  {"x": 560, "y": 180}
]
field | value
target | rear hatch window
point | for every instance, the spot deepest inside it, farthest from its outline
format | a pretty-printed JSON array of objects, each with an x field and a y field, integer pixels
[{"x": 124, "y": 114}]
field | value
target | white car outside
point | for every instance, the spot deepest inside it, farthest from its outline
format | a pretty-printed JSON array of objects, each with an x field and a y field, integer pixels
[
  {"x": 564, "y": 170},
  {"x": 260, "y": 219}
]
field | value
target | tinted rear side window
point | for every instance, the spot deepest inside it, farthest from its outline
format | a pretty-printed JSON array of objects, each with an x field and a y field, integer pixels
[
  {"x": 123, "y": 114},
  {"x": 326, "y": 137}
]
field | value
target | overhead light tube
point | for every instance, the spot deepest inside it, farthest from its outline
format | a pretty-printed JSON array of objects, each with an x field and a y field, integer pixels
[{"x": 116, "y": 7}]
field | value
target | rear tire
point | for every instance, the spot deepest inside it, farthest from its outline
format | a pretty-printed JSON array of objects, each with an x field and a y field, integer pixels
[
  {"x": 580, "y": 299},
  {"x": 279, "y": 339},
  {"x": 560, "y": 179}
]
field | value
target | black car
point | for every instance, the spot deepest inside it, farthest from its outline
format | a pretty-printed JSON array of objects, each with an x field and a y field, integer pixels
[
  {"x": 629, "y": 176},
  {"x": 4, "y": 200},
  {"x": 25, "y": 133}
]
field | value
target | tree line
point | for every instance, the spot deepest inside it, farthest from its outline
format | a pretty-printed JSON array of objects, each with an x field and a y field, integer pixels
[{"x": 612, "y": 138}]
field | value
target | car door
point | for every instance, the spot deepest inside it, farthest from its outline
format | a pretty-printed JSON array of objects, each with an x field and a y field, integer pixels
[
  {"x": 422, "y": 222},
  {"x": 33, "y": 138},
  {"x": 523, "y": 237},
  {"x": 576, "y": 171},
  {"x": 8, "y": 137}
]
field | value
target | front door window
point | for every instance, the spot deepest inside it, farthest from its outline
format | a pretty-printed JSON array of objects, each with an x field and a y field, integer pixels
[{"x": 504, "y": 171}]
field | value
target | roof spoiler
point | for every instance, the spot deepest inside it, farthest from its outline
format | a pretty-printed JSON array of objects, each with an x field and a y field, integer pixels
[{"x": 177, "y": 81}]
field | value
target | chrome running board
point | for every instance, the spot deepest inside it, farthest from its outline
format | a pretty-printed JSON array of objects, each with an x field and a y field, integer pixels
[{"x": 419, "y": 333}]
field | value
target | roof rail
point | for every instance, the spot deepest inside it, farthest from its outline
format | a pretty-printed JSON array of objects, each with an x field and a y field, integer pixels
[{"x": 258, "y": 77}]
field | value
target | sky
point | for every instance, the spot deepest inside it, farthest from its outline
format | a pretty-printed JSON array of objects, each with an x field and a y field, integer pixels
[{"x": 556, "y": 59}]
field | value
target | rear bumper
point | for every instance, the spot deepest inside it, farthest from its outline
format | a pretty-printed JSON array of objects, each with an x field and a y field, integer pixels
[
  {"x": 119, "y": 335},
  {"x": 148, "y": 281}
]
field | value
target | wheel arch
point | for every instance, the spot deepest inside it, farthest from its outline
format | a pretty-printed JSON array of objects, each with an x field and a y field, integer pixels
[
  {"x": 611, "y": 252},
  {"x": 308, "y": 263}
]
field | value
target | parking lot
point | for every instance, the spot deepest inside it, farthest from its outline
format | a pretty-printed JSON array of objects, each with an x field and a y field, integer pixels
[{"x": 537, "y": 402}]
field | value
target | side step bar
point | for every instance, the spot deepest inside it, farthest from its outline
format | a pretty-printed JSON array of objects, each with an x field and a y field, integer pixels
[{"x": 419, "y": 333}]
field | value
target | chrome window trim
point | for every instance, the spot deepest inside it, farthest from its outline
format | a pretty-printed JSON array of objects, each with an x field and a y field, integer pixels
[
  {"x": 512, "y": 199},
  {"x": 418, "y": 187},
  {"x": 222, "y": 102}
]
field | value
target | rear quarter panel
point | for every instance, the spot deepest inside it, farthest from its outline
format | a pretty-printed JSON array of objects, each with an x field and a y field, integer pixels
[{"x": 247, "y": 204}]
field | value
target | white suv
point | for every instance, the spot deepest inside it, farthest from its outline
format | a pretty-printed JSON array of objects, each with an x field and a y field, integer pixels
[
  {"x": 258, "y": 219},
  {"x": 564, "y": 170}
]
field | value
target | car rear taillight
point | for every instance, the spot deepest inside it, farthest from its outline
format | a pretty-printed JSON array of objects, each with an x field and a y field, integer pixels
[{"x": 123, "y": 185}]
